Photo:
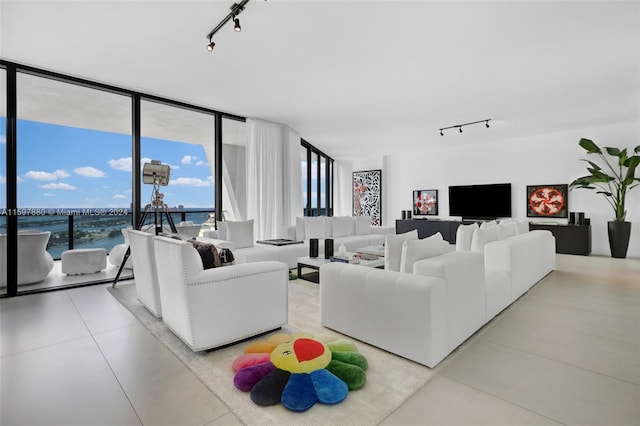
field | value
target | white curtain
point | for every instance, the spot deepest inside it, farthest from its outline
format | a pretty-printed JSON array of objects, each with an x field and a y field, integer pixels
[
  {"x": 342, "y": 189},
  {"x": 274, "y": 185}
]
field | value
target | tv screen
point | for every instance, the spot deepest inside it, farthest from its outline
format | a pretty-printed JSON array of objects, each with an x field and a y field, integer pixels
[{"x": 480, "y": 201}]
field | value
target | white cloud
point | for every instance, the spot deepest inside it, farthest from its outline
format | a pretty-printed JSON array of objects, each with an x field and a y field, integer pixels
[
  {"x": 64, "y": 186},
  {"x": 188, "y": 159},
  {"x": 48, "y": 194},
  {"x": 89, "y": 172},
  {"x": 3, "y": 179},
  {"x": 190, "y": 182},
  {"x": 123, "y": 164},
  {"x": 201, "y": 163},
  {"x": 3, "y": 139},
  {"x": 61, "y": 174},
  {"x": 119, "y": 196},
  {"x": 40, "y": 175}
]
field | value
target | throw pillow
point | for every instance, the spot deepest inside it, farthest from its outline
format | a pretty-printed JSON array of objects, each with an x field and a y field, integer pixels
[
  {"x": 488, "y": 224},
  {"x": 343, "y": 226},
  {"x": 314, "y": 227},
  {"x": 464, "y": 235},
  {"x": 414, "y": 250},
  {"x": 482, "y": 236},
  {"x": 506, "y": 230},
  {"x": 522, "y": 226},
  {"x": 222, "y": 230},
  {"x": 208, "y": 253},
  {"x": 393, "y": 249},
  {"x": 363, "y": 225},
  {"x": 240, "y": 233}
]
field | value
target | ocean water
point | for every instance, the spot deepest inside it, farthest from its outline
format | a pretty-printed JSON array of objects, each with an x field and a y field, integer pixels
[{"x": 90, "y": 230}]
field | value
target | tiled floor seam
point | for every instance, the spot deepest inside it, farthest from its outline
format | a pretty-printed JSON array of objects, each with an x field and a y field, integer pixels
[{"x": 561, "y": 362}]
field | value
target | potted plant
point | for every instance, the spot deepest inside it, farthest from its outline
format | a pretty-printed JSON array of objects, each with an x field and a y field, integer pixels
[{"x": 613, "y": 179}]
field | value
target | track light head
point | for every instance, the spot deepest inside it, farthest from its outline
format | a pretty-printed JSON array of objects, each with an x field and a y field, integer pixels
[
  {"x": 486, "y": 124},
  {"x": 460, "y": 128},
  {"x": 236, "y": 25},
  {"x": 211, "y": 45},
  {"x": 441, "y": 132}
]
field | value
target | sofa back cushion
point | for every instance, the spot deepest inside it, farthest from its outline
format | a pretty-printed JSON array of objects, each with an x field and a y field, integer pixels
[
  {"x": 464, "y": 235},
  {"x": 240, "y": 233},
  {"x": 482, "y": 236},
  {"x": 414, "y": 250},
  {"x": 343, "y": 226},
  {"x": 314, "y": 227},
  {"x": 522, "y": 226},
  {"x": 363, "y": 225},
  {"x": 506, "y": 230},
  {"x": 300, "y": 235},
  {"x": 393, "y": 249}
]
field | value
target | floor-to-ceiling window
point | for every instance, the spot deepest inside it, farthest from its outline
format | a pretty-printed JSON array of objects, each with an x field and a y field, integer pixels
[
  {"x": 184, "y": 140},
  {"x": 317, "y": 181},
  {"x": 70, "y": 140},
  {"x": 3, "y": 179}
]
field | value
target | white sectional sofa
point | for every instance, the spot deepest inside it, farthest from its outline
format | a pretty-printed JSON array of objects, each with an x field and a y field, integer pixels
[
  {"x": 354, "y": 233},
  {"x": 425, "y": 315}
]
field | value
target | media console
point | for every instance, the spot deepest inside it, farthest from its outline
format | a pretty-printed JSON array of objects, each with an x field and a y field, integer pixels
[
  {"x": 427, "y": 227},
  {"x": 570, "y": 239}
]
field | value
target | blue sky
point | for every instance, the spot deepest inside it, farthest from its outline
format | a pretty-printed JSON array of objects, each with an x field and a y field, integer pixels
[{"x": 68, "y": 167}]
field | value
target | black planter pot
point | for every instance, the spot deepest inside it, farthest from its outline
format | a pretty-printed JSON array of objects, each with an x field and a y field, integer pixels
[{"x": 619, "y": 234}]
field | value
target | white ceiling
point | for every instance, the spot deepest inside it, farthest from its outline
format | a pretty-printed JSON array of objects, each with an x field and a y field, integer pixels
[{"x": 355, "y": 78}]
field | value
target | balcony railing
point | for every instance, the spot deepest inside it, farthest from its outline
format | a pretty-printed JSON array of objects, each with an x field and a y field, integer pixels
[{"x": 90, "y": 228}]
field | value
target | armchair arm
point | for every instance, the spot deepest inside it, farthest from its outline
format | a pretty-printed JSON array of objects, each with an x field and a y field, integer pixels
[{"x": 383, "y": 230}]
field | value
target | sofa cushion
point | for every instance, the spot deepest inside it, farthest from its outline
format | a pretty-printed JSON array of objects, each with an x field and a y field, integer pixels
[
  {"x": 300, "y": 236},
  {"x": 522, "y": 226},
  {"x": 464, "y": 235},
  {"x": 314, "y": 227},
  {"x": 363, "y": 225},
  {"x": 343, "y": 226},
  {"x": 488, "y": 224},
  {"x": 506, "y": 230},
  {"x": 393, "y": 249},
  {"x": 240, "y": 233},
  {"x": 414, "y": 250},
  {"x": 482, "y": 236}
]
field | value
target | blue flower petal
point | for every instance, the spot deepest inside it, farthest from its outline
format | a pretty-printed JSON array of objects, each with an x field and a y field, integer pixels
[
  {"x": 329, "y": 388},
  {"x": 299, "y": 394}
]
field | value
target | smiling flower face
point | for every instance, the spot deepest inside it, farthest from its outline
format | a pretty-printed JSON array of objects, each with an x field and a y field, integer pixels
[{"x": 299, "y": 370}]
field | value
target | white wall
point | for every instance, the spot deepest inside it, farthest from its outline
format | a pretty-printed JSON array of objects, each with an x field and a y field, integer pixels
[{"x": 544, "y": 159}]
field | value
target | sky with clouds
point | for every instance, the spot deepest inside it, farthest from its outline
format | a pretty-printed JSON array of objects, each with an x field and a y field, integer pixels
[{"x": 67, "y": 167}]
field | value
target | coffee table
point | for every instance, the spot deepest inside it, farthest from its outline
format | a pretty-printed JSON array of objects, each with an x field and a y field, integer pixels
[{"x": 316, "y": 262}]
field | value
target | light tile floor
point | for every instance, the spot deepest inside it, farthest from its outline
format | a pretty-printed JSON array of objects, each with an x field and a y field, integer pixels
[{"x": 568, "y": 352}]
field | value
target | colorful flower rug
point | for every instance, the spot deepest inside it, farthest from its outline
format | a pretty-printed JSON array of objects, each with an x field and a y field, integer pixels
[{"x": 299, "y": 370}]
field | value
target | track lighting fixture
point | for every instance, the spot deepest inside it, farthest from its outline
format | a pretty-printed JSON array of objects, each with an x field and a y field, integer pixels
[
  {"x": 211, "y": 45},
  {"x": 460, "y": 126},
  {"x": 236, "y": 9}
]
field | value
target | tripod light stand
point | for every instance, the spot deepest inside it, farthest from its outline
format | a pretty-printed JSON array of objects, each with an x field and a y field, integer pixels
[{"x": 156, "y": 174}]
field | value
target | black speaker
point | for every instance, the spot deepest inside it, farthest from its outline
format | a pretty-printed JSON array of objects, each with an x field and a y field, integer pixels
[
  {"x": 572, "y": 218},
  {"x": 404, "y": 214},
  {"x": 328, "y": 248},
  {"x": 408, "y": 214},
  {"x": 580, "y": 218},
  {"x": 313, "y": 247}
]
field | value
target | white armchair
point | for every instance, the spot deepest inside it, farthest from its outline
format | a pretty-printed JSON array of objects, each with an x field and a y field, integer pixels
[
  {"x": 34, "y": 262},
  {"x": 116, "y": 254},
  {"x": 207, "y": 308},
  {"x": 146, "y": 275}
]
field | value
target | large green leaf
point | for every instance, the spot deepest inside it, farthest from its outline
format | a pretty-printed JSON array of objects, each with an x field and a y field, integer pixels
[
  {"x": 615, "y": 152},
  {"x": 593, "y": 165},
  {"x": 589, "y": 146},
  {"x": 637, "y": 149}
]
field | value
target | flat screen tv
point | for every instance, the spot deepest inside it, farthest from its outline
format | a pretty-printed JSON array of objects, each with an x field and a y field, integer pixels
[{"x": 480, "y": 201}]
